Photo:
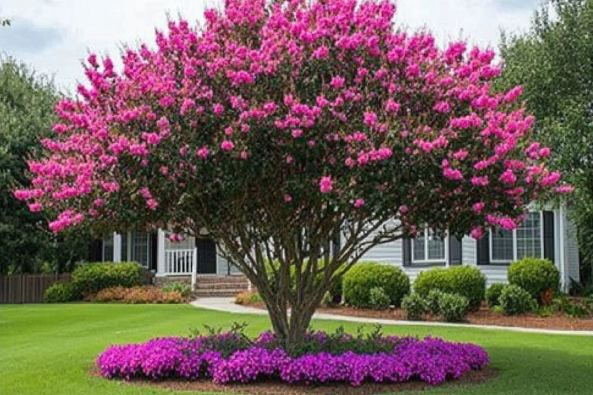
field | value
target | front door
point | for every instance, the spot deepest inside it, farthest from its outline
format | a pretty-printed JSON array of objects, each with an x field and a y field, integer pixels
[{"x": 206, "y": 256}]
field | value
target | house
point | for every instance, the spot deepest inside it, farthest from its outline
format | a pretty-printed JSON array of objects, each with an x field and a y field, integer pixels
[{"x": 544, "y": 234}]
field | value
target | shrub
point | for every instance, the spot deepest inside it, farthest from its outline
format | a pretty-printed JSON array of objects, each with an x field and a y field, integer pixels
[
  {"x": 433, "y": 301},
  {"x": 415, "y": 306},
  {"x": 453, "y": 307},
  {"x": 365, "y": 276},
  {"x": 574, "y": 308},
  {"x": 231, "y": 357},
  {"x": 60, "y": 293},
  {"x": 493, "y": 294},
  {"x": 242, "y": 298},
  {"x": 429, "y": 280},
  {"x": 515, "y": 300},
  {"x": 138, "y": 295},
  {"x": 466, "y": 281},
  {"x": 378, "y": 299},
  {"x": 536, "y": 276},
  {"x": 183, "y": 289},
  {"x": 92, "y": 277},
  {"x": 248, "y": 297}
]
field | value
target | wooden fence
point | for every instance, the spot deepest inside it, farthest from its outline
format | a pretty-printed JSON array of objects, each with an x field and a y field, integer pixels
[{"x": 28, "y": 288}]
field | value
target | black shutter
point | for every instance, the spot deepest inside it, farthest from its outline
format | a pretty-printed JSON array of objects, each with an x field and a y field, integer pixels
[
  {"x": 548, "y": 238},
  {"x": 407, "y": 253},
  {"x": 96, "y": 250},
  {"x": 454, "y": 250},
  {"x": 153, "y": 251},
  {"x": 483, "y": 247}
]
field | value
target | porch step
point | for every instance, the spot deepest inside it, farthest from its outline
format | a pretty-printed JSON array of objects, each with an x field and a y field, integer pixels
[
  {"x": 221, "y": 279},
  {"x": 222, "y": 285},
  {"x": 229, "y": 292}
]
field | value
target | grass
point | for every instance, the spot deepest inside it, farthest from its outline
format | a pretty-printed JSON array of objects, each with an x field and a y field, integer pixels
[{"x": 48, "y": 349}]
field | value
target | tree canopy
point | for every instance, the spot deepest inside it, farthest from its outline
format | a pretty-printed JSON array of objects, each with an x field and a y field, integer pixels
[
  {"x": 554, "y": 63},
  {"x": 27, "y": 112},
  {"x": 278, "y": 128}
]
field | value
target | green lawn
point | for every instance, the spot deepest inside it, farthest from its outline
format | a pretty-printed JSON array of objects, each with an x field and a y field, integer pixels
[{"x": 48, "y": 349}]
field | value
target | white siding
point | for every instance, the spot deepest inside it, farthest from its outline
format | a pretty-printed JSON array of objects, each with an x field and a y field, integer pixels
[
  {"x": 494, "y": 274},
  {"x": 391, "y": 253},
  {"x": 468, "y": 251},
  {"x": 222, "y": 266},
  {"x": 221, "y": 263},
  {"x": 571, "y": 252}
]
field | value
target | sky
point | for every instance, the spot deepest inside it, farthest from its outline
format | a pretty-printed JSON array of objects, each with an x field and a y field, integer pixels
[{"x": 54, "y": 36}]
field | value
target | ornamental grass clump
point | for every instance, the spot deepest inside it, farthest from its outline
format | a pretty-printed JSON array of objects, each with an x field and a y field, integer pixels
[{"x": 232, "y": 358}]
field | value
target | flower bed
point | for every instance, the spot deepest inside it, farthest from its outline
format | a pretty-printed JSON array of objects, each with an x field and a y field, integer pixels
[
  {"x": 138, "y": 295},
  {"x": 324, "y": 358}
]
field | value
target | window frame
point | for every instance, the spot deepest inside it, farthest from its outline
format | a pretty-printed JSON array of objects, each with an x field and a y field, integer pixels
[
  {"x": 427, "y": 261},
  {"x": 108, "y": 243},
  {"x": 505, "y": 262},
  {"x": 132, "y": 248}
]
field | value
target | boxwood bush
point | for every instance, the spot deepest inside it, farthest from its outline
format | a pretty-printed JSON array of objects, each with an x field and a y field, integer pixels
[
  {"x": 415, "y": 306},
  {"x": 535, "y": 276},
  {"x": 60, "y": 293},
  {"x": 453, "y": 307},
  {"x": 365, "y": 276},
  {"x": 466, "y": 281},
  {"x": 90, "y": 278},
  {"x": 493, "y": 294},
  {"x": 515, "y": 300},
  {"x": 378, "y": 299}
]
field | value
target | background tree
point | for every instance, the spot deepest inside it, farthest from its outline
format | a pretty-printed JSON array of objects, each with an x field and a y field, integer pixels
[
  {"x": 554, "y": 63},
  {"x": 27, "y": 112},
  {"x": 277, "y": 129}
]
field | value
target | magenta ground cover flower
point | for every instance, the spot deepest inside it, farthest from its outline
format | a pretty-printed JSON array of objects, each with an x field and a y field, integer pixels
[{"x": 431, "y": 360}]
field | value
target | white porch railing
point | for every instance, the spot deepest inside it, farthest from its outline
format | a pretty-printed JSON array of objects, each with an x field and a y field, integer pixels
[{"x": 182, "y": 262}]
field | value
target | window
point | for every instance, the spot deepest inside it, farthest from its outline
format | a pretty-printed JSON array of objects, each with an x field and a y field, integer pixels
[
  {"x": 108, "y": 248},
  {"x": 140, "y": 247},
  {"x": 525, "y": 241},
  {"x": 429, "y": 247}
]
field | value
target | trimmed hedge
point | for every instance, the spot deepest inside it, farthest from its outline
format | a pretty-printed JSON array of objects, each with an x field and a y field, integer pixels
[
  {"x": 359, "y": 280},
  {"x": 90, "y": 278},
  {"x": 535, "y": 276},
  {"x": 466, "y": 281}
]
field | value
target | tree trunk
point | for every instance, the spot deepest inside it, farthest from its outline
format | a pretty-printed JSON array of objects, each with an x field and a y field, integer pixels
[{"x": 290, "y": 329}]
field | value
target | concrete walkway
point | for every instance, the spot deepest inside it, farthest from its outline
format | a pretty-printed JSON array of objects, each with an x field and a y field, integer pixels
[{"x": 228, "y": 305}]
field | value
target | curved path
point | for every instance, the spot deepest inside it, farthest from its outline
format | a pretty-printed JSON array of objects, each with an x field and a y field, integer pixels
[{"x": 228, "y": 305}]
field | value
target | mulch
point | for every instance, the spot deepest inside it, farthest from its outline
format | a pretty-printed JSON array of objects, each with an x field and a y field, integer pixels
[
  {"x": 278, "y": 388},
  {"x": 484, "y": 316}
]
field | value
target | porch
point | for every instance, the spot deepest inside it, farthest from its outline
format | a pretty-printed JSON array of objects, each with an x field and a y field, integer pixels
[{"x": 154, "y": 251}]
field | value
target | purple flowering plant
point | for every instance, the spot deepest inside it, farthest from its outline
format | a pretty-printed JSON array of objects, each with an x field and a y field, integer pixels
[{"x": 339, "y": 357}]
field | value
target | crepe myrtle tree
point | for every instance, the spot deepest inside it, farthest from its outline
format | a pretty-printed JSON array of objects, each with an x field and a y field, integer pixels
[{"x": 277, "y": 127}]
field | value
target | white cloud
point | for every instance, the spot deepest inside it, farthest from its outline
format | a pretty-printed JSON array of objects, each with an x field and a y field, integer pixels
[{"x": 103, "y": 26}]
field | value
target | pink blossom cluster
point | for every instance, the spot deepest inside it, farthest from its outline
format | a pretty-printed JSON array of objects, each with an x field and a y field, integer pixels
[{"x": 326, "y": 98}]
